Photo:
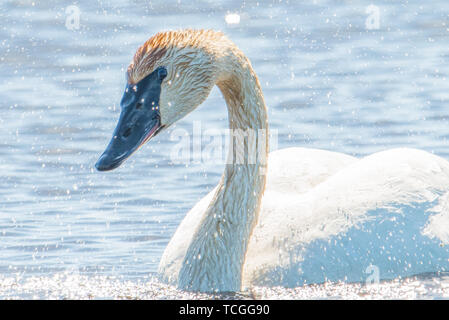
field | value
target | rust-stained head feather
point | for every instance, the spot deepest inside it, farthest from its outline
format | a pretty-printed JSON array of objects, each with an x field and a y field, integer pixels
[{"x": 165, "y": 44}]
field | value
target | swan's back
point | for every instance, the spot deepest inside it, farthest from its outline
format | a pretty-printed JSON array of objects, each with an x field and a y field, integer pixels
[{"x": 297, "y": 170}]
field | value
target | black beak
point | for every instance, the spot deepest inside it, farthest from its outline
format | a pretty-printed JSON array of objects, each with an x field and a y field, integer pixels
[{"x": 139, "y": 121}]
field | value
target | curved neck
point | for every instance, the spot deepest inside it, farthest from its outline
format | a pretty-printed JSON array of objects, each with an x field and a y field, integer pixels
[{"x": 215, "y": 257}]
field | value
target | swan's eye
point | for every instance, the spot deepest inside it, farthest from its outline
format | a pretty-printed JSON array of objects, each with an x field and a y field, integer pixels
[
  {"x": 127, "y": 132},
  {"x": 162, "y": 73}
]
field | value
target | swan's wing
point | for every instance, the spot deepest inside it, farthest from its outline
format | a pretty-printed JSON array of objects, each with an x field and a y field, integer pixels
[
  {"x": 296, "y": 169},
  {"x": 388, "y": 209}
]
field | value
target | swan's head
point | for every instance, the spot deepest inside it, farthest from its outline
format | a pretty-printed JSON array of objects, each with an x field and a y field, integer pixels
[{"x": 170, "y": 75}]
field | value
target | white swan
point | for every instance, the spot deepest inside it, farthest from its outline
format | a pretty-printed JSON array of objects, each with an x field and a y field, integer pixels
[{"x": 323, "y": 216}]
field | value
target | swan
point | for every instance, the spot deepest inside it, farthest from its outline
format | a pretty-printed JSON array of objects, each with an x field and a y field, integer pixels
[{"x": 286, "y": 218}]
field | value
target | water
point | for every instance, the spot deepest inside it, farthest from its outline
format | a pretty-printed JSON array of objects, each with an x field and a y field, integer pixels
[{"x": 329, "y": 82}]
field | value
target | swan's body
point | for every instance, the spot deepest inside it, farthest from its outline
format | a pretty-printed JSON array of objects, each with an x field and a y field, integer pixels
[
  {"x": 319, "y": 223},
  {"x": 315, "y": 215}
]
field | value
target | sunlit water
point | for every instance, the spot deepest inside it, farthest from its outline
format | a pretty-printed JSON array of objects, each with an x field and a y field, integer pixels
[{"x": 67, "y": 231}]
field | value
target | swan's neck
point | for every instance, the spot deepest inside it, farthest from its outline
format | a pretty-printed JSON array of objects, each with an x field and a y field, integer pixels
[{"x": 216, "y": 254}]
